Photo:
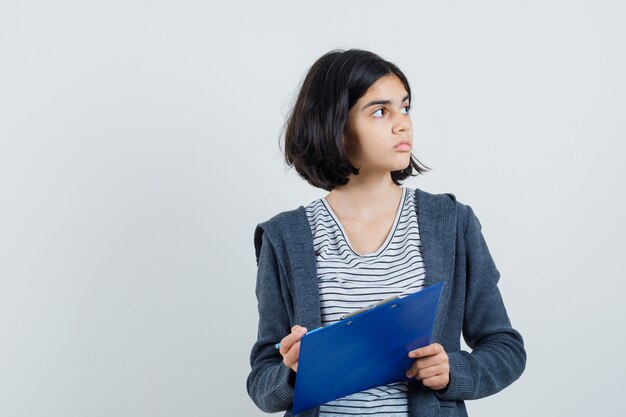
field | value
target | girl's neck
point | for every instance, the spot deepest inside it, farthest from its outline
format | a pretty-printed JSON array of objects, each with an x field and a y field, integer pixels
[{"x": 365, "y": 197}]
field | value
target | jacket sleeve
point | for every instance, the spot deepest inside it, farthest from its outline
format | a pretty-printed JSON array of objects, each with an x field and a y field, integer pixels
[
  {"x": 270, "y": 381},
  {"x": 498, "y": 356}
]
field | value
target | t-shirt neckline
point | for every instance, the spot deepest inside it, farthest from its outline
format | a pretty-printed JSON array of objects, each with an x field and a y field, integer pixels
[{"x": 389, "y": 235}]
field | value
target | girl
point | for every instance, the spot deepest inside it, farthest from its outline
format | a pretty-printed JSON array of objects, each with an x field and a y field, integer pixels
[{"x": 369, "y": 238}]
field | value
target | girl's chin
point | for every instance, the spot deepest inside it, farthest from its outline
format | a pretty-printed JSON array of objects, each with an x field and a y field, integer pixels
[{"x": 397, "y": 165}]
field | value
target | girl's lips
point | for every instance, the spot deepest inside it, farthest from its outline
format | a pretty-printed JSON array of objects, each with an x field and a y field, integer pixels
[{"x": 403, "y": 147}]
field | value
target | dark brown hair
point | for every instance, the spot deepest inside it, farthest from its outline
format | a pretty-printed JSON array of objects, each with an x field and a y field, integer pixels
[{"x": 314, "y": 129}]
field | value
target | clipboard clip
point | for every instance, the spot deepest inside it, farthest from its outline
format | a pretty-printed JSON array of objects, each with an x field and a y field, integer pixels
[{"x": 369, "y": 307}]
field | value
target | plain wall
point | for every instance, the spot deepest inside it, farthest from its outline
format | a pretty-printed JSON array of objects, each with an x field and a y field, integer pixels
[{"x": 139, "y": 149}]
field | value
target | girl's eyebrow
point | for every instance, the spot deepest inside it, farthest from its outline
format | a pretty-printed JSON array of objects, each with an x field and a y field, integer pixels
[{"x": 386, "y": 102}]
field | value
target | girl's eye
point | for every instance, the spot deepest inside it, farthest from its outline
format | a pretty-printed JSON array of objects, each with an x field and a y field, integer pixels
[
  {"x": 407, "y": 109},
  {"x": 381, "y": 110}
]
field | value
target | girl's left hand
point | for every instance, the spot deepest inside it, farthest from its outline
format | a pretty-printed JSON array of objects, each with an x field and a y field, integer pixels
[{"x": 431, "y": 366}]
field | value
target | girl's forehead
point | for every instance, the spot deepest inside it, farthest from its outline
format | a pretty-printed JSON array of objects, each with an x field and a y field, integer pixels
[{"x": 389, "y": 84}]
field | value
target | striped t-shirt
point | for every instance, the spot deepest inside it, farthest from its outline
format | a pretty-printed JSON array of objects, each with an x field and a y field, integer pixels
[{"x": 348, "y": 281}]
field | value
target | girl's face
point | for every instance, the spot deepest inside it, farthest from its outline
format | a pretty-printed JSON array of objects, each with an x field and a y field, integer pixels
[{"x": 379, "y": 132}]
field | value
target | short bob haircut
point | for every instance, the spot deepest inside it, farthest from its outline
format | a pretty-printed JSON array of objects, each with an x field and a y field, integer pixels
[{"x": 314, "y": 129}]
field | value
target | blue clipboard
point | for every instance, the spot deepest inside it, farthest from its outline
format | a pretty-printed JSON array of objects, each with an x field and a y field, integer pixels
[{"x": 365, "y": 350}]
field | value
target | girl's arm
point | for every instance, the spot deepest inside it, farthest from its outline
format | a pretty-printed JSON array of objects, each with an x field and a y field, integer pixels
[
  {"x": 498, "y": 356},
  {"x": 270, "y": 383}
]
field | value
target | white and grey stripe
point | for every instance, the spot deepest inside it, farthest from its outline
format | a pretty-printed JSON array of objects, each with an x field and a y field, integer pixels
[{"x": 348, "y": 281}]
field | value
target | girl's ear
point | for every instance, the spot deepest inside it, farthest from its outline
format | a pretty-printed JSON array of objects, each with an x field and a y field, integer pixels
[
  {"x": 345, "y": 137},
  {"x": 345, "y": 140},
  {"x": 348, "y": 146}
]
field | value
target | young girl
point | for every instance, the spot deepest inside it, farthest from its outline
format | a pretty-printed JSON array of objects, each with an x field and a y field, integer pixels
[{"x": 369, "y": 238}]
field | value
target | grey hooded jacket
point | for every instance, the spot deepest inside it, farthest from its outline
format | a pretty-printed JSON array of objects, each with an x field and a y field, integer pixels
[{"x": 454, "y": 251}]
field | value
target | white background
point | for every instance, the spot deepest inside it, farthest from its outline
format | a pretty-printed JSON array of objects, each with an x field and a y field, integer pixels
[{"x": 139, "y": 149}]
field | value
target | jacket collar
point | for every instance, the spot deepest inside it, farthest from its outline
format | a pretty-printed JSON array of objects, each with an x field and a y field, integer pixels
[{"x": 436, "y": 216}]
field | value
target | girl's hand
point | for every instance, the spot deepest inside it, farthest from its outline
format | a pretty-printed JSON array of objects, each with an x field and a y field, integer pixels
[
  {"x": 431, "y": 366},
  {"x": 290, "y": 347}
]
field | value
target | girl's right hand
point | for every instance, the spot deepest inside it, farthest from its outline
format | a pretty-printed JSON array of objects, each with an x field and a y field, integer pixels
[{"x": 290, "y": 347}]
